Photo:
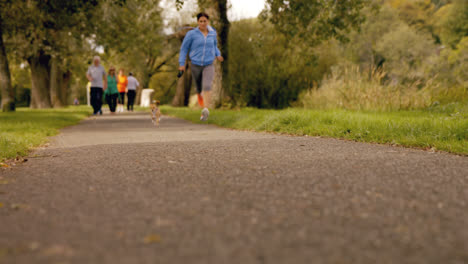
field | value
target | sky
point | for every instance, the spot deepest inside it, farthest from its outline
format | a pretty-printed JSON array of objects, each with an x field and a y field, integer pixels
[
  {"x": 239, "y": 9},
  {"x": 245, "y": 8}
]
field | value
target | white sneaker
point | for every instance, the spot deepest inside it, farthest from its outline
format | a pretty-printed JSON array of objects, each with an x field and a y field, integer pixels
[{"x": 204, "y": 114}]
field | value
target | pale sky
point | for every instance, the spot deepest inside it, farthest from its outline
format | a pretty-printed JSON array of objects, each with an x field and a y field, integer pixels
[
  {"x": 239, "y": 9},
  {"x": 245, "y": 8}
]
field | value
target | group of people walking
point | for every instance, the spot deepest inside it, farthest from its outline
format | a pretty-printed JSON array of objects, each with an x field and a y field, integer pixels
[
  {"x": 111, "y": 87},
  {"x": 200, "y": 45}
]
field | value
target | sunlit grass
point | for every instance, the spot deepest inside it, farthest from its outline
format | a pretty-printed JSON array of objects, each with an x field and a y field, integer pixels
[
  {"x": 439, "y": 128},
  {"x": 26, "y": 128}
]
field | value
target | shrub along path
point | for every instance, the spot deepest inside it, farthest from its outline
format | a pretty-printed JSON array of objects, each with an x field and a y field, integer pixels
[{"x": 117, "y": 190}]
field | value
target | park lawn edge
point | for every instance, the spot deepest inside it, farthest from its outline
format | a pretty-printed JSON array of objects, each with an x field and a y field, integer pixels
[
  {"x": 417, "y": 119},
  {"x": 22, "y": 147}
]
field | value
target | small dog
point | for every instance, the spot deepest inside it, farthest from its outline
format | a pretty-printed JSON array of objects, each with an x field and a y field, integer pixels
[{"x": 155, "y": 113}]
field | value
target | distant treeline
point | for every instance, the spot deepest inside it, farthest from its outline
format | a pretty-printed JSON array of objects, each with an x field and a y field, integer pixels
[
  {"x": 406, "y": 54},
  {"x": 358, "y": 54}
]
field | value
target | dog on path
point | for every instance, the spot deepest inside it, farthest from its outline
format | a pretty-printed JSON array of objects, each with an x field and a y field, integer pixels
[{"x": 155, "y": 112}]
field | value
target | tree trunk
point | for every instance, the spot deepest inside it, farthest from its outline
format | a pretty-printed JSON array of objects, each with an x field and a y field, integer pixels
[
  {"x": 138, "y": 94},
  {"x": 187, "y": 83},
  {"x": 184, "y": 85},
  {"x": 65, "y": 87},
  {"x": 55, "y": 83},
  {"x": 217, "y": 9},
  {"x": 59, "y": 84},
  {"x": 217, "y": 91},
  {"x": 7, "y": 90},
  {"x": 146, "y": 80},
  {"x": 40, "y": 79}
]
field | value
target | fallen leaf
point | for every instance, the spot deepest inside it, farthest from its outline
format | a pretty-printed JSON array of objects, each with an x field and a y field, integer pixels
[
  {"x": 1, "y": 205},
  {"x": 59, "y": 250},
  {"x": 3, "y": 165},
  {"x": 152, "y": 239},
  {"x": 120, "y": 234},
  {"x": 34, "y": 246},
  {"x": 3, "y": 182},
  {"x": 19, "y": 206},
  {"x": 162, "y": 222}
]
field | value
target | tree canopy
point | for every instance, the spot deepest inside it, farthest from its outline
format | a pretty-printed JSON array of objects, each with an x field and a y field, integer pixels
[
  {"x": 315, "y": 20},
  {"x": 292, "y": 47}
]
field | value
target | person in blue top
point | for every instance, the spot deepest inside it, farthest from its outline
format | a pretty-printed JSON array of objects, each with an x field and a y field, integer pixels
[{"x": 201, "y": 44}]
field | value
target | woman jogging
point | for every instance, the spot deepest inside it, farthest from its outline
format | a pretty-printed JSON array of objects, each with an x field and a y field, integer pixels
[
  {"x": 202, "y": 46},
  {"x": 112, "y": 94}
]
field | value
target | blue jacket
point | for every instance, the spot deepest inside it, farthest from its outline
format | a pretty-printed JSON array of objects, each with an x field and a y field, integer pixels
[{"x": 203, "y": 51}]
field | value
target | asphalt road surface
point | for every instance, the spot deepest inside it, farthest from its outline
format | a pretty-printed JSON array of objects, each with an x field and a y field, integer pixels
[{"x": 117, "y": 190}]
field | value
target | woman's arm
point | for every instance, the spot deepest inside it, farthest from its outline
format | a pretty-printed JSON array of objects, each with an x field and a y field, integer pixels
[{"x": 184, "y": 49}]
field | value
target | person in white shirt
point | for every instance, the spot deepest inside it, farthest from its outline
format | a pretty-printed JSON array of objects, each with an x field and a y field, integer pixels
[
  {"x": 97, "y": 76},
  {"x": 132, "y": 87}
]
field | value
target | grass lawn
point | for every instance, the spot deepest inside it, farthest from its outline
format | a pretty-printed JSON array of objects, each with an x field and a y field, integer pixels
[
  {"x": 26, "y": 128},
  {"x": 442, "y": 128}
]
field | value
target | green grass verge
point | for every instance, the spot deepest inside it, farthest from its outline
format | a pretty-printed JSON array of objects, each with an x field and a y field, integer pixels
[
  {"x": 442, "y": 128},
  {"x": 26, "y": 128}
]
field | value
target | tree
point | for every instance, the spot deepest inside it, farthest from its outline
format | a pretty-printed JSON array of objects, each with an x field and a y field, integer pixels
[
  {"x": 315, "y": 20},
  {"x": 458, "y": 60},
  {"x": 6, "y": 88},
  {"x": 44, "y": 33},
  {"x": 452, "y": 22},
  {"x": 7, "y": 91},
  {"x": 417, "y": 14},
  {"x": 405, "y": 51},
  {"x": 140, "y": 34},
  {"x": 440, "y": 3},
  {"x": 264, "y": 74}
]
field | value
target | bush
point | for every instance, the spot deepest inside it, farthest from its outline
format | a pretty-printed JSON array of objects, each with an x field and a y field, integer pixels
[
  {"x": 406, "y": 51},
  {"x": 266, "y": 70}
]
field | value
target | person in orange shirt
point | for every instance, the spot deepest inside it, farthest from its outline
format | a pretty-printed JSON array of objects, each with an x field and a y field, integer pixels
[{"x": 122, "y": 87}]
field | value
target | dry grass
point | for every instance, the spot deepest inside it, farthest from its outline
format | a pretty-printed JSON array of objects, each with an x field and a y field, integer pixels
[{"x": 353, "y": 89}]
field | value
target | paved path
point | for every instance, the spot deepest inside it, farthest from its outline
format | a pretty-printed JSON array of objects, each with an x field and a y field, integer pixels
[{"x": 117, "y": 190}]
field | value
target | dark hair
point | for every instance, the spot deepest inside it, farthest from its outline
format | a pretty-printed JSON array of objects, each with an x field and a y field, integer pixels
[
  {"x": 203, "y": 14},
  {"x": 130, "y": 73}
]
